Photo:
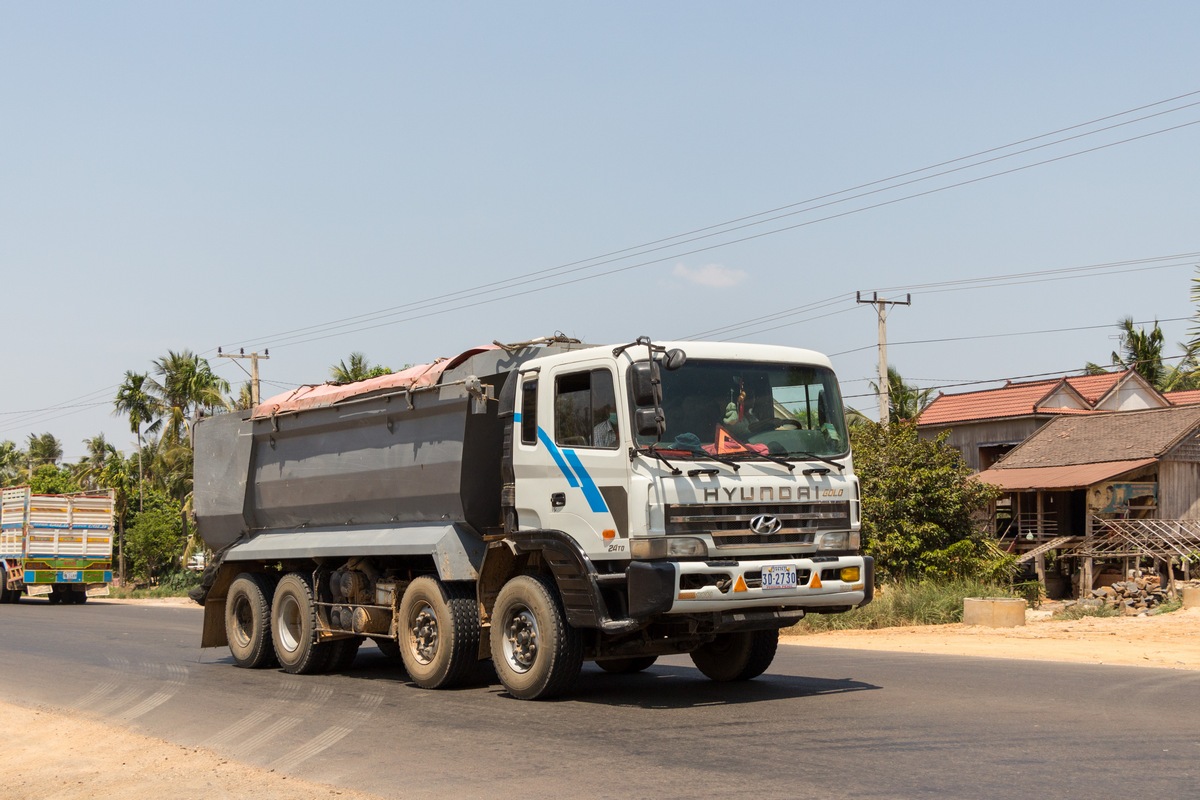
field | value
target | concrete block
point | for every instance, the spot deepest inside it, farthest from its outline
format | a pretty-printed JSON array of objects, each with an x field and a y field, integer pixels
[{"x": 994, "y": 612}]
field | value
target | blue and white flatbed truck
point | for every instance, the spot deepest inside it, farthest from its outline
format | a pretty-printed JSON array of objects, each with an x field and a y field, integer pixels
[{"x": 539, "y": 504}]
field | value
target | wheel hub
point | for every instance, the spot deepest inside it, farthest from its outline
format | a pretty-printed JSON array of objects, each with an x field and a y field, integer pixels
[
  {"x": 424, "y": 630},
  {"x": 521, "y": 640}
]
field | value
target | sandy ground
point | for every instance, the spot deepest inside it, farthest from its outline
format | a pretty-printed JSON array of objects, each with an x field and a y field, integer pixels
[{"x": 140, "y": 768}]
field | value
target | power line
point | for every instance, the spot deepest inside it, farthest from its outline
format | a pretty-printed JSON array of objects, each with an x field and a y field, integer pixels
[{"x": 405, "y": 312}]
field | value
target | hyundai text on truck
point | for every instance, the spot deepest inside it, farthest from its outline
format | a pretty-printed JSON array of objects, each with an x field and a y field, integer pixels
[
  {"x": 55, "y": 545},
  {"x": 540, "y": 504}
]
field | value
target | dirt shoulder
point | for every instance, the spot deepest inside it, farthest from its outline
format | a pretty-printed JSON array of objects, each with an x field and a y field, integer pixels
[{"x": 1168, "y": 641}]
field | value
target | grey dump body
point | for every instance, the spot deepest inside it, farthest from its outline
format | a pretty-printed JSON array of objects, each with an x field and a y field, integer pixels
[{"x": 404, "y": 473}]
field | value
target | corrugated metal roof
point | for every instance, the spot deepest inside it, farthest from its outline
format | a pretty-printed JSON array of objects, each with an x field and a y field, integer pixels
[{"x": 1074, "y": 476}]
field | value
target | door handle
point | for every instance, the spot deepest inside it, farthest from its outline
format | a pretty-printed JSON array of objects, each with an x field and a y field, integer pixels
[{"x": 558, "y": 500}]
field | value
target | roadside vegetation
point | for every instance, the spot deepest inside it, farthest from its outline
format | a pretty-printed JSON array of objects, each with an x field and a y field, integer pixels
[{"x": 930, "y": 602}]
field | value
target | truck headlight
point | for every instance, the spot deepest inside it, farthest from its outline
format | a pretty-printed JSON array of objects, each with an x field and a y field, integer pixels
[
  {"x": 840, "y": 540},
  {"x": 668, "y": 547}
]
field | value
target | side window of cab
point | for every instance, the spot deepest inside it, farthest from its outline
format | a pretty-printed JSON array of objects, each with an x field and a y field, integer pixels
[{"x": 585, "y": 410}]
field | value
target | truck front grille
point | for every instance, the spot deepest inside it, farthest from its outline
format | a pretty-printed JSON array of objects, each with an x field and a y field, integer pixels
[{"x": 729, "y": 525}]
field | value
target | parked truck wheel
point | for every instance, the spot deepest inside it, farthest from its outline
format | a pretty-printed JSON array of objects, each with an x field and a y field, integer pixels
[
  {"x": 78, "y": 596},
  {"x": 737, "y": 656},
  {"x": 626, "y": 666},
  {"x": 439, "y": 632},
  {"x": 248, "y": 620},
  {"x": 6, "y": 594},
  {"x": 294, "y": 625},
  {"x": 537, "y": 654}
]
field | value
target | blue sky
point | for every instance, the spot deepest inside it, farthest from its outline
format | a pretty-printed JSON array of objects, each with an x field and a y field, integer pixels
[{"x": 191, "y": 175}]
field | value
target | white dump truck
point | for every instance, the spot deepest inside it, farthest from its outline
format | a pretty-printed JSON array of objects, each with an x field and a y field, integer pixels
[
  {"x": 539, "y": 504},
  {"x": 55, "y": 545}
]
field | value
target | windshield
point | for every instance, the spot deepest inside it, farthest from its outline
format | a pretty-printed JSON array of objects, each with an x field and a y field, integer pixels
[{"x": 740, "y": 408}]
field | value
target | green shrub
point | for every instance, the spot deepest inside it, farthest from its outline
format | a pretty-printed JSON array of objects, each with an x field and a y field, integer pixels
[
  {"x": 1081, "y": 610},
  {"x": 906, "y": 603}
]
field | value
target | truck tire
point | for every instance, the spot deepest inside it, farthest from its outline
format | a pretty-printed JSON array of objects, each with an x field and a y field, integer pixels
[
  {"x": 344, "y": 652},
  {"x": 248, "y": 620},
  {"x": 737, "y": 656},
  {"x": 627, "y": 666},
  {"x": 78, "y": 597},
  {"x": 537, "y": 654},
  {"x": 6, "y": 595},
  {"x": 294, "y": 626},
  {"x": 439, "y": 632}
]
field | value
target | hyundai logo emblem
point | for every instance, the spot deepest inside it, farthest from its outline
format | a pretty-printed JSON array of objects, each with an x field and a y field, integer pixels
[{"x": 765, "y": 524}]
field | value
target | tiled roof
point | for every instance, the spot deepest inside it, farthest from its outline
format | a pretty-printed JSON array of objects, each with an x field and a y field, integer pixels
[
  {"x": 1107, "y": 436},
  {"x": 1017, "y": 399},
  {"x": 1183, "y": 398}
]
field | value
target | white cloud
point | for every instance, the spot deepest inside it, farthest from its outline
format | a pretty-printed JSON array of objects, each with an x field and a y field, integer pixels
[{"x": 712, "y": 275}]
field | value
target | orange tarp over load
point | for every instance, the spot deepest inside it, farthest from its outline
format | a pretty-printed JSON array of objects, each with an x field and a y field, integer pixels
[{"x": 322, "y": 395}]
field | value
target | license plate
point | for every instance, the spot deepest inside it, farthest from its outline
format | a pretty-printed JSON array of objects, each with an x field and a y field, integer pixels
[
  {"x": 69, "y": 576},
  {"x": 779, "y": 576}
]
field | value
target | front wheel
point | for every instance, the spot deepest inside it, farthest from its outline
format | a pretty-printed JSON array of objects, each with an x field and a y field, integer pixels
[
  {"x": 438, "y": 632},
  {"x": 737, "y": 656},
  {"x": 536, "y": 652}
]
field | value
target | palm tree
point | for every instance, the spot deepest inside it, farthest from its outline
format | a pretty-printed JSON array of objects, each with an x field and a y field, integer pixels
[
  {"x": 118, "y": 476},
  {"x": 44, "y": 449},
  {"x": 12, "y": 463},
  {"x": 1143, "y": 352},
  {"x": 358, "y": 369},
  {"x": 185, "y": 384},
  {"x": 133, "y": 401},
  {"x": 89, "y": 469},
  {"x": 905, "y": 401}
]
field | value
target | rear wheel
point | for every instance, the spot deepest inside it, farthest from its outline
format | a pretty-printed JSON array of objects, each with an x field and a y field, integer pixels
[
  {"x": 536, "y": 652},
  {"x": 344, "y": 652},
  {"x": 294, "y": 626},
  {"x": 57, "y": 595},
  {"x": 248, "y": 620},
  {"x": 438, "y": 632},
  {"x": 6, "y": 594},
  {"x": 625, "y": 666},
  {"x": 79, "y": 597},
  {"x": 737, "y": 656}
]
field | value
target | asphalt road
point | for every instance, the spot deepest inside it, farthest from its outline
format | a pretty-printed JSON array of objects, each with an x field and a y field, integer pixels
[{"x": 821, "y": 724}]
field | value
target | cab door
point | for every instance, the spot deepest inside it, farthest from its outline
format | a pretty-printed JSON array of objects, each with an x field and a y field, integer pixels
[{"x": 571, "y": 456}]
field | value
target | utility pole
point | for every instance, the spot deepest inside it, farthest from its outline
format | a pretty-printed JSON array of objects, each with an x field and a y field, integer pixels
[
  {"x": 881, "y": 307},
  {"x": 254, "y": 357}
]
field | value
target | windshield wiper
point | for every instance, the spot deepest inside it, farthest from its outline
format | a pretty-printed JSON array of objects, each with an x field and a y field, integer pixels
[
  {"x": 770, "y": 457},
  {"x": 652, "y": 451},
  {"x": 815, "y": 457}
]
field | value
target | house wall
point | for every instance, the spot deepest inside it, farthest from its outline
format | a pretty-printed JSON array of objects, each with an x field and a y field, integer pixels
[
  {"x": 1130, "y": 397},
  {"x": 969, "y": 437},
  {"x": 1179, "y": 490}
]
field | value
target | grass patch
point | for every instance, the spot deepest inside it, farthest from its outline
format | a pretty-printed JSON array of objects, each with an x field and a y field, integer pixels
[
  {"x": 1081, "y": 610},
  {"x": 175, "y": 584},
  {"x": 902, "y": 604}
]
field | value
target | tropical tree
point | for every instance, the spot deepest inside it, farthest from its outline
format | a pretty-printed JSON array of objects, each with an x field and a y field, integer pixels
[
  {"x": 184, "y": 384},
  {"x": 244, "y": 400},
  {"x": 43, "y": 449},
  {"x": 89, "y": 468},
  {"x": 905, "y": 401},
  {"x": 138, "y": 406},
  {"x": 1142, "y": 351},
  {"x": 51, "y": 479},
  {"x": 154, "y": 539},
  {"x": 919, "y": 507},
  {"x": 118, "y": 475},
  {"x": 12, "y": 463},
  {"x": 357, "y": 368}
]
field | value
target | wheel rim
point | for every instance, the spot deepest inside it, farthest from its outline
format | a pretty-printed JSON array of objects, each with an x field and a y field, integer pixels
[
  {"x": 423, "y": 625},
  {"x": 243, "y": 621},
  {"x": 521, "y": 639},
  {"x": 290, "y": 624}
]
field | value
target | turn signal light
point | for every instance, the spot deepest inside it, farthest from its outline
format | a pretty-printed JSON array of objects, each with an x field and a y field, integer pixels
[{"x": 849, "y": 574}]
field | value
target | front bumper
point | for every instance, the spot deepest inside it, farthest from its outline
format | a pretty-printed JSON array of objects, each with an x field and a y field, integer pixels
[{"x": 689, "y": 587}]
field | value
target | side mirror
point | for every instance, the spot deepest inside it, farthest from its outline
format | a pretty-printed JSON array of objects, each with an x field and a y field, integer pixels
[
  {"x": 650, "y": 421},
  {"x": 674, "y": 359},
  {"x": 643, "y": 378}
]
